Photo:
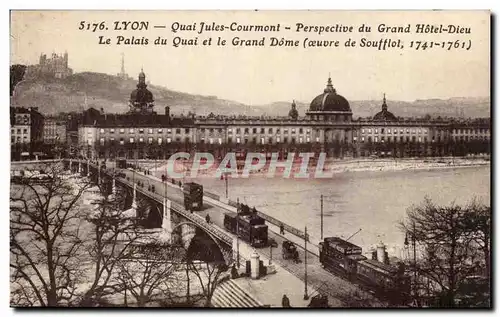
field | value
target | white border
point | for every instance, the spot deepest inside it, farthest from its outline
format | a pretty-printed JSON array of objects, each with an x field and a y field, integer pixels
[{"x": 493, "y": 5}]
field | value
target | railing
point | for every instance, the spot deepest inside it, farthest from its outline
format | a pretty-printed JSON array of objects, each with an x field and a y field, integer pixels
[{"x": 219, "y": 234}]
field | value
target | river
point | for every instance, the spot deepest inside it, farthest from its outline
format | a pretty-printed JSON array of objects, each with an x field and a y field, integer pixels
[{"x": 371, "y": 201}]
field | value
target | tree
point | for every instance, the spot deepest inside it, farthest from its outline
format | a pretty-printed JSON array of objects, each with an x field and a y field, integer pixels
[
  {"x": 46, "y": 237},
  {"x": 207, "y": 265},
  {"x": 447, "y": 241},
  {"x": 110, "y": 240},
  {"x": 149, "y": 272}
]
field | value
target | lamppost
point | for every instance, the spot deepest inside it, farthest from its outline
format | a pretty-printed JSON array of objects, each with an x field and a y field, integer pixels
[
  {"x": 237, "y": 232},
  {"x": 321, "y": 217},
  {"x": 306, "y": 296}
]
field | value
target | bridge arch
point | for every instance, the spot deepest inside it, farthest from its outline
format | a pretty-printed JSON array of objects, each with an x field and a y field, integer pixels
[{"x": 199, "y": 242}]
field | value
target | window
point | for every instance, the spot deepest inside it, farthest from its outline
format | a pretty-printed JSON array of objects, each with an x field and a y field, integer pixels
[
  {"x": 101, "y": 141},
  {"x": 419, "y": 139},
  {"x": 301, "y": 130},
  {"x": 141, "y": 130},
  {"x": 285, "y": 140},
  {"x": 308, "y": 139},
  {"x": 376, "y": 131},
  {"x": 122, "y": 141},
  {"x": 178, "y": 139},
  {"x": 389, "y": 131},
  {"x": 278, "y": 139},
  {"x": 150, "y": 140},
  {"x": 308, "y": 131},
  {"x": 131, "y": 140},
  {"x": 293, "y": 130},
  {"x": 262, "y": 141},
  {"x": 254, "y": 130},
  {"x": 220, "y": 140},
  {"x": 160, "y": 130},
  {"x": 270, "y": 130},
  {"x": 362, "y": 139},
  {"x": 131, "y": 130},
  {"x": 254, "y": 140},
  {"x": 102, "y": 130},
  {"x": 160, "y": 141},
  {"x": 238, "y": 131},
  {"x": 262, "y": 130},
  {"x": 111, "y": 130},
  {"x": 285, "y": 131},
  {"x": 419, "y": 130},
  {"x": 178, "y": 131},
  {"x": 12, "y": 131},
  {"x": 301, "y": 140},
  {"x": 355, "y": 138},
  {"x": 211, "y": 141},
  {"x": 229, "y": 130},
  {"x": 25, "y": 131},
  {"x": 382, "y": 130},
  {"x": 277, "y": 130},
  {"x": 122, "y": 130},
  {"x": 141, "y": 140},
  {"x": 363, "y": 131},
  {"x": 169, "y": 140},
  {"x": 376, "y": 139},
  {"x": 186, "y": 130},
  {"x": 186, "y": 139},
  {"x": 369, "y": 130},
  {"x": 112, "y": 140},
  {"x": 238, "y": 140},
  {"x": 229, "y": 140},
  {"x": 270, "y": 140},
  {"x": 246, "y": 130},
  {"x": 170, "y": 130},
  {"x": 317, "y": 139},
  {"x": 150, "y": 131}
]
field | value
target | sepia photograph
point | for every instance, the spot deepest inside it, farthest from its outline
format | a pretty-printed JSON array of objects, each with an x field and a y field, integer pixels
[{"x": 250, "y": 159}]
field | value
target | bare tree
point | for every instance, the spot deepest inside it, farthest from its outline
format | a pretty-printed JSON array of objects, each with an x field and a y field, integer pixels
[
  {"x": 110, "y": 240},
  {"x": 448, "y": 252},
  {"x": 46, "y": 236},
  {"x": 149, "y": 273},
  {"x": 207, "y": 265}
]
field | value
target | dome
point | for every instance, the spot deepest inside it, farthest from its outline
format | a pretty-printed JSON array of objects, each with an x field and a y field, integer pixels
[
  {"x": 384, "y": 115},
  {"x": 329, "y": 100},
  {"x": 141, "y": 96}
]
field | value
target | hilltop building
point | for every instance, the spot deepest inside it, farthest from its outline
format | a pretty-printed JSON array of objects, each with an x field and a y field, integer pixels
[
  {"x": 327, "y": 126},
  {"x": 54, "y": 67},
  {"x": 122, "y": 74}
]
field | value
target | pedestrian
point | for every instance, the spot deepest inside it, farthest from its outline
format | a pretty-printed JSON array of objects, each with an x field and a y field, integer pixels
[
  {"x": 285, "y": 302},
  {"x": 282, "y": 229},
  {"x": 207, "y": 218}
]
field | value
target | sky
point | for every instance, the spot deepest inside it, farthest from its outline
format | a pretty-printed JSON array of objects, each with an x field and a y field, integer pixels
[{"x": 261, "y": 75}]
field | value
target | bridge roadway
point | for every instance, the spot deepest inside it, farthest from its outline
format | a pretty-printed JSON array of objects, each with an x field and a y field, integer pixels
[{"x": 335, "y": 287}]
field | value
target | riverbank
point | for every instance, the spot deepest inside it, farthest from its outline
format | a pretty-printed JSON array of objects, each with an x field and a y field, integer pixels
[{"x": 334, "y": 166}]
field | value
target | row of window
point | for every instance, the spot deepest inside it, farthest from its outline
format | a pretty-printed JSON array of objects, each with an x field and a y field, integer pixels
[
  {"x": 210, "y": 140},
  {"x": 414, "y": 138},
  {"x": 470, "y": 131},
  {"x": 141, "y": 130},
  {"x": 18, "y": 139},
  {"x": 269, "y": 131},
  {"x": 18, "y": 130},
  {"x": 394, "y": 131}
]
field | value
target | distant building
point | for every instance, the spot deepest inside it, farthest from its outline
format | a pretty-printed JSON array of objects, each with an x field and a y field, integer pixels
[
  {"x": 54, "y": 131},
  {"x": 55, "y": 67},
  {"x": 328, "y": 126},
  {"x": 26, "y": 131}
]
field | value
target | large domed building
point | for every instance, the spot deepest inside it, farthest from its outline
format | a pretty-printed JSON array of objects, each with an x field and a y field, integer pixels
[
  {"x": 330, "y": 106},
  {"x": 141, "y": 99}
]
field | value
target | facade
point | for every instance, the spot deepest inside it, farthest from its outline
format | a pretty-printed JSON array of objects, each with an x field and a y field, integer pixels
[
  {"x": 328, "y": 126},
  {"x": 54, "y": 131},
  {"x": 26, "y": 131},
  {"x": 55, "y": 67}
]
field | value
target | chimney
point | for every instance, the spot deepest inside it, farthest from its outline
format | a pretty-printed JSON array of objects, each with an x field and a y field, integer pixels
[
  {"x": 381, "y": 254},
  {"x": 167, "y": 111}
]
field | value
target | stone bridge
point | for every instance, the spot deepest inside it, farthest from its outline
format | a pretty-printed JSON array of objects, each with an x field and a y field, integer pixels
[{"x": 154, "y": 211}]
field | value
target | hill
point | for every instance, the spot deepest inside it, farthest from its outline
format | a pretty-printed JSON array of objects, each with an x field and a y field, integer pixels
[{"x": 111, "y": 93}]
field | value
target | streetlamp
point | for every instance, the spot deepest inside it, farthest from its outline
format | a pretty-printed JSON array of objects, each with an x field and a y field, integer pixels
[
  {"x": 306, "y": 296},
  {"x": 321, "y": 217}
]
